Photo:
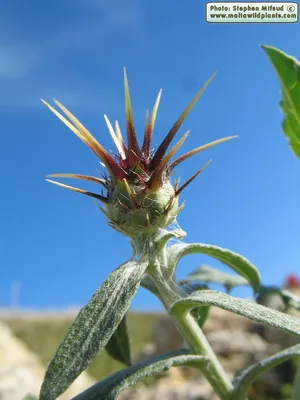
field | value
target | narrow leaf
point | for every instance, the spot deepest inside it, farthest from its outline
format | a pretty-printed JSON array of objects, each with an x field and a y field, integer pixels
[
  {"x": 111, "y": 387},
  {"x": 192, "y": 287},
  {"x": 92, "y": 328},
  {"x": 253, "y": 311},
  {"x": 207, "y": 274},
  {"x": 200, "y": 314},
  {"x": 118, "y": 346},
  {"x": 235, "y": 261},
  {"x": 288, "y": 71},
  {"x": 244, "y": 379}
]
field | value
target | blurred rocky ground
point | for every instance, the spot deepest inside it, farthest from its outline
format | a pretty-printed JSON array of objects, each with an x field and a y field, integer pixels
[
  {"x": 21, "y": 371},
  {"x": 237, "y": 341}
]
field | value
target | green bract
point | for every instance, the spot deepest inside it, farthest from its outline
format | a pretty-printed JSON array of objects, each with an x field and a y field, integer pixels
[{"x": 136, "y": 211}]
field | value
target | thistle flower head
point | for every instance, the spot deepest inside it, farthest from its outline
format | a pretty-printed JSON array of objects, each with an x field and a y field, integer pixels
[{"x": 139, "y": 195}]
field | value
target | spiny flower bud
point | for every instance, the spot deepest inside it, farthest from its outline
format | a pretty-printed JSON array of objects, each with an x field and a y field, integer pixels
[{"x": 140, "y": 198}]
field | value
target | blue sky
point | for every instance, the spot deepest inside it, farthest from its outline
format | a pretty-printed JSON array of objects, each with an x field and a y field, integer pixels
[{"x": 55, "y": 243}]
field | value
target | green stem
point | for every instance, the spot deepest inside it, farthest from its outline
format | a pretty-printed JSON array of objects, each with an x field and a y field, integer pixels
[
  {"x": 214, "y": 371},
  {"x": 192, "y": 333},
  {"x": 296, "y": 384}
]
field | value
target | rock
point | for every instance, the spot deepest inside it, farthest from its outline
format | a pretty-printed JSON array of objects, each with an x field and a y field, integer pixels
[
  {"x": 22, "y": 372},
  {"x": 147, "y": 352},
  {"x": 234, "y": 362},
  {"x": 166, "y": 336},
  {"x": 272, "y": 335},
  {"x": 224, "y": 320},
  {"x": 227, "y": 343}
]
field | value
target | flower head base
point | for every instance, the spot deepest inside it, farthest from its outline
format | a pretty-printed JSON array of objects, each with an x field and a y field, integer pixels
[{"x": 140, "y": 197}]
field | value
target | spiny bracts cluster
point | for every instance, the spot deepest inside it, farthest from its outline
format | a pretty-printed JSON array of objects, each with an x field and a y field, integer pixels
[{"x": 139, "y": 195}]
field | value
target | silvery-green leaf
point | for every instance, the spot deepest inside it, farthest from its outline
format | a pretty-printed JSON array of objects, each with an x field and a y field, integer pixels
[
  {"x": 118, "y": 346},
  {"x": 201, "y": 313},
  {"x": 207, "y": 274},
  {"x": 245, "y": 308},
  {"x": 111, "y": 387},
  {"x": 92, "y": 328},
  {"x": 191, "y": 287},
  {"x": 233, "y": 260},
  {"x": 164, "y": 236},
  {"x": 288, "y": 71},
  {"x": 244, "y": 378}
]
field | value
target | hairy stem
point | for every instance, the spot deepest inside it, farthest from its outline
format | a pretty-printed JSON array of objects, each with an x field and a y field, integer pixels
[
  {"x": 192, "y": 333},
  {"x": 213, "y": 371}
]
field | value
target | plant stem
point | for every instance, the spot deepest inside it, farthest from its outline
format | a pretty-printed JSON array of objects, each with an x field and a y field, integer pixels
[
  {"x": 192, "y": 333},
  {"x": 296, "y": 384},
  {"x": 214, "y": 371}
]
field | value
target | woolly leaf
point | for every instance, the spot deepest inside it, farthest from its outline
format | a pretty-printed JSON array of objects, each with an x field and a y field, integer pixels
[
  {"x": 118, "y": 346},
  {"x": 233, "y": 260},
  {"x": 245, "y": 308},
  {"x": 244, "y": 378},
  {"x": 92, "y": 328},
  {"x": 111, "y": 387},
  {"x": 207, "y": 274}
]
